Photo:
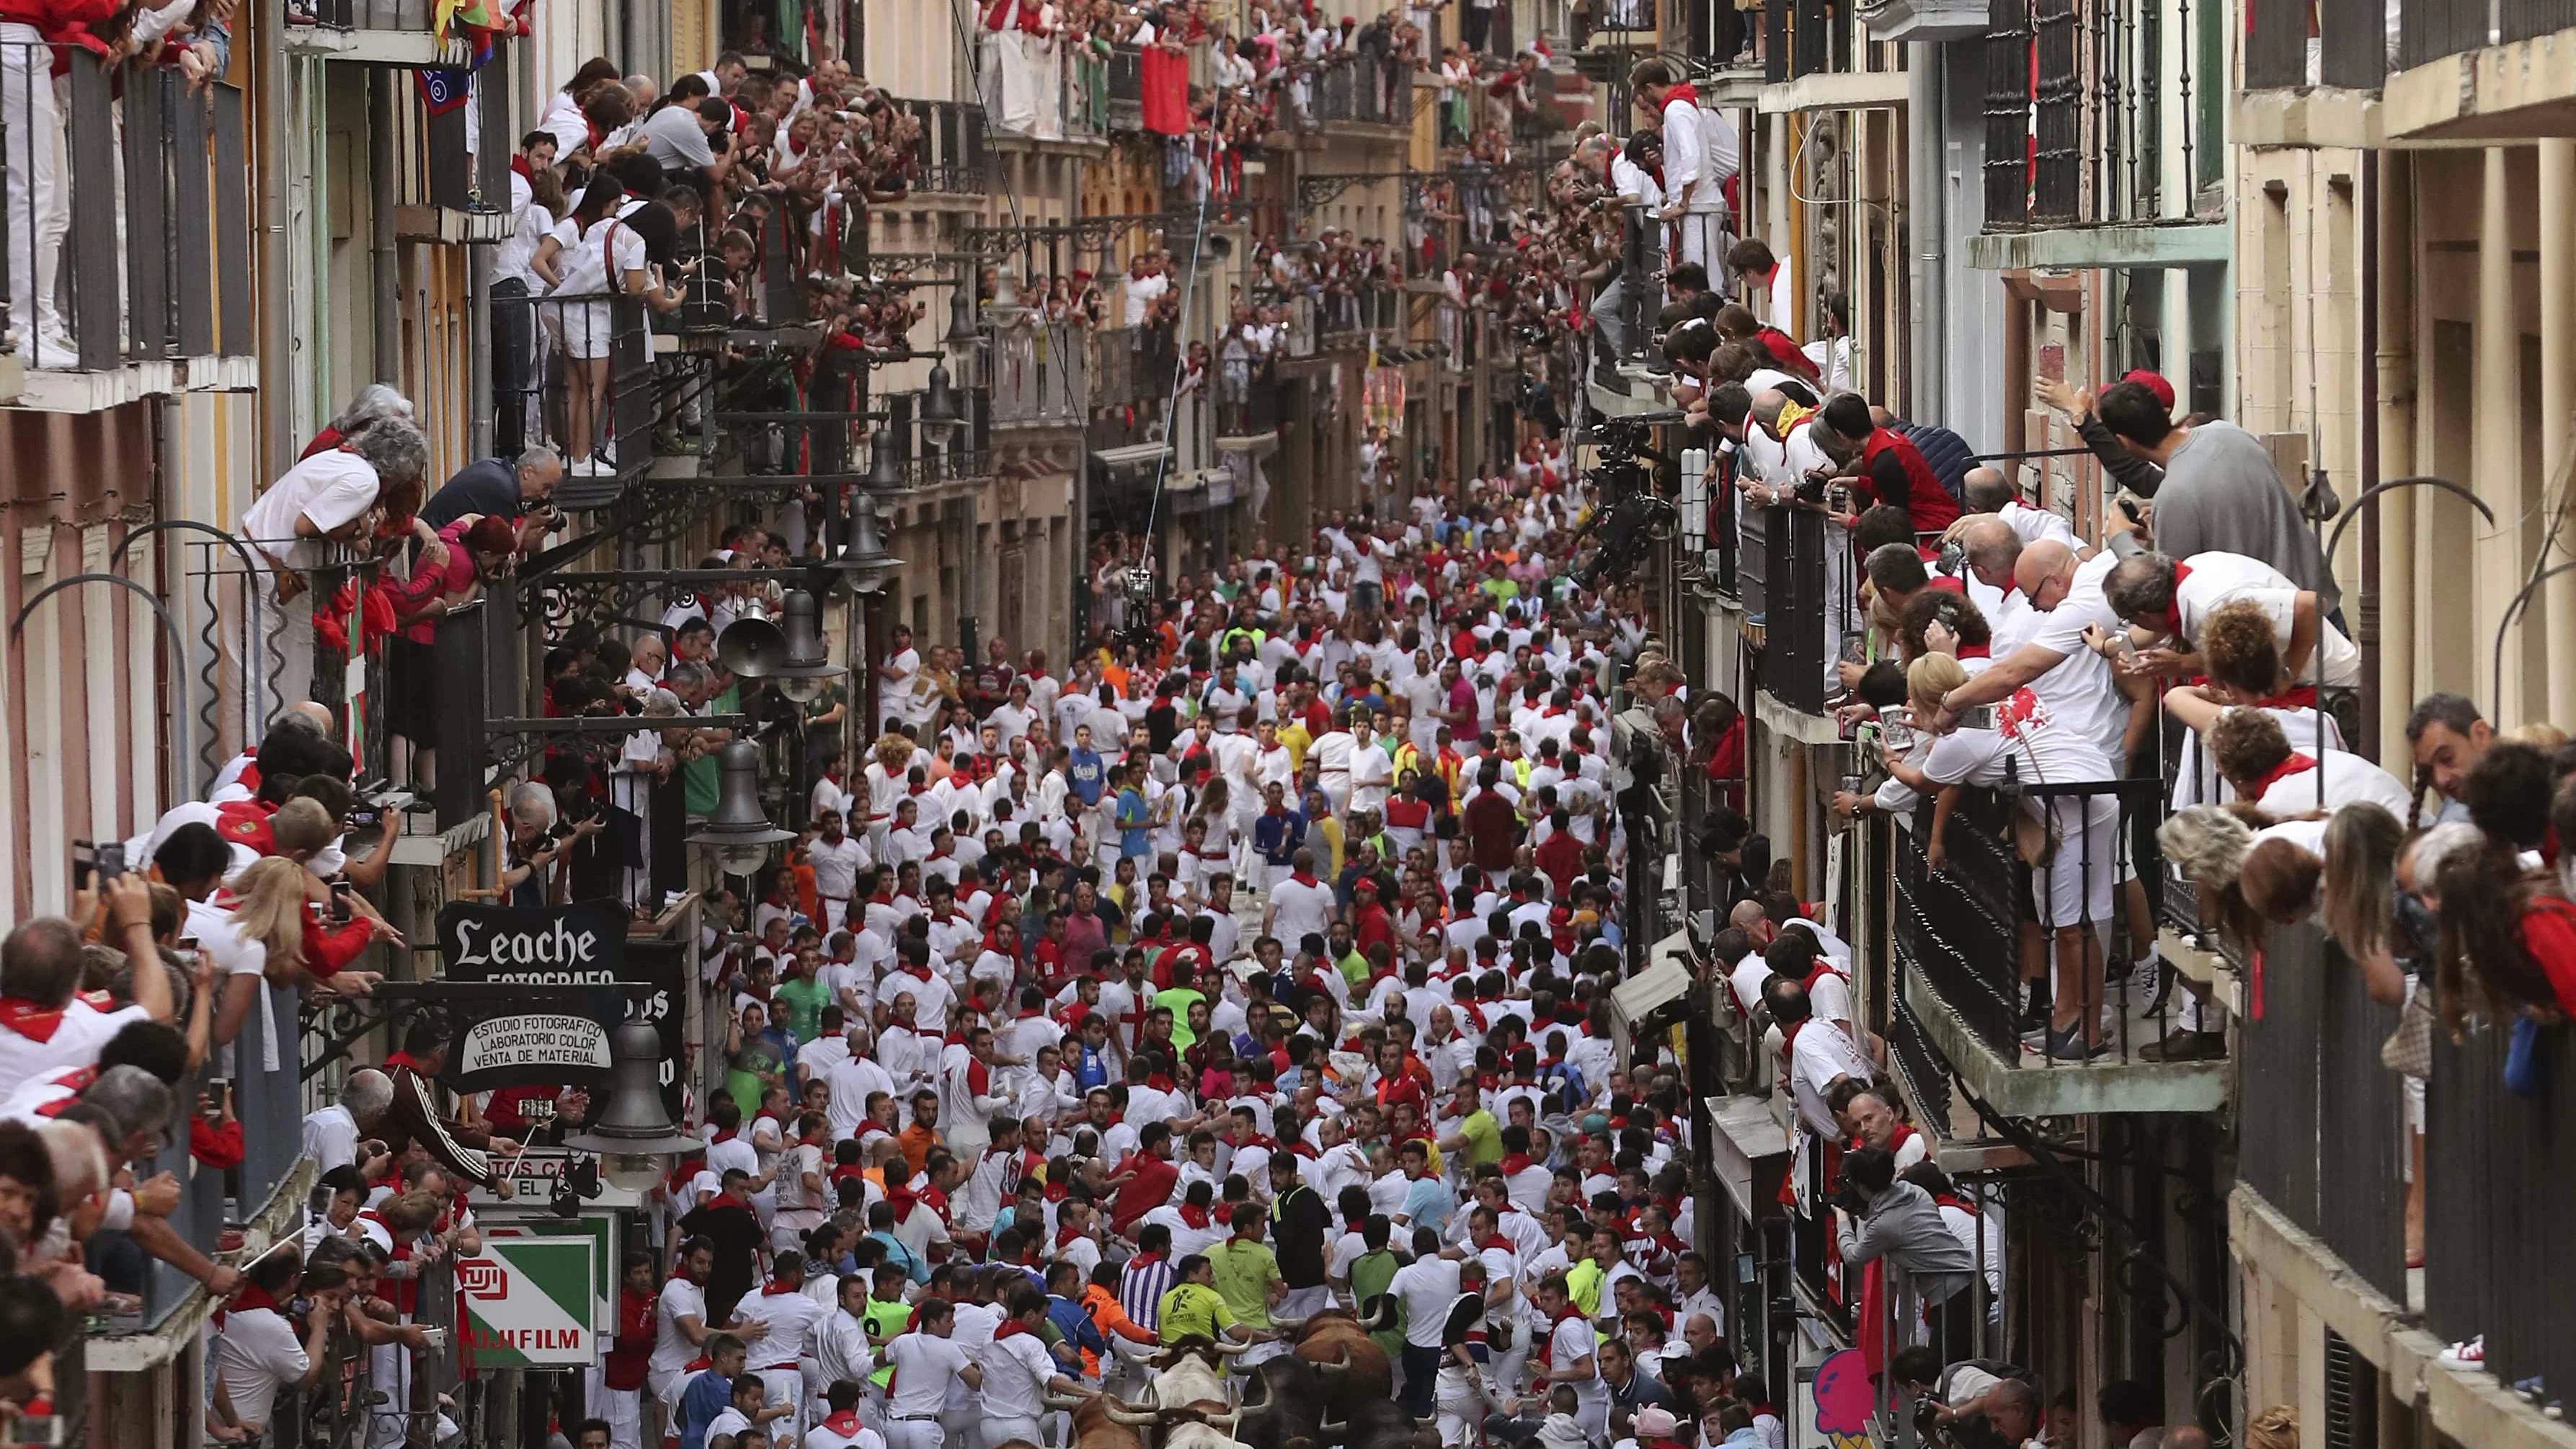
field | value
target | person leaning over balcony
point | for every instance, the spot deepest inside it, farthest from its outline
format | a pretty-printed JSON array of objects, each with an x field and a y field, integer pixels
[
  {"x": 414, "y": 1116},
  {"x": 1879, "y": 1215},
  {"x": 374, "y": 403},
  {"x": 2072, "y": 880},
  {"x": 259, "y": 1350},
  {"x": 2253, "y": 755},
  {"x": 2239, "y": 654},
  {"x": 2448, "y": 737},
  {"x": 2221, "y": 492},
  {"x": 327, "y": 498},
  {"x": 2166, "y": 600}
]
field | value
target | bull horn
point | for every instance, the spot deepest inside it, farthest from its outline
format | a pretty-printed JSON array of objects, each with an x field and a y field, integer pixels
[
  {"x": 1231, "y": 1350},
  {"x": 1251, "y": 1383},
  {"x": 1119, "y": 1413},
  {"x": 1227, "y": 1419},
  {"x": 1338, "y": 1366},
  {"x": 1331, "y": 1430},
  {"x": 1066, "y": 1401},
  {"x": 1289, "y": 1325}
]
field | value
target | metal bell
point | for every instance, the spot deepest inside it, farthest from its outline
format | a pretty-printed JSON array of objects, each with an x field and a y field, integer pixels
[
  {"x": 752, "y": 646},
  {"x": 739, "y": 818}
]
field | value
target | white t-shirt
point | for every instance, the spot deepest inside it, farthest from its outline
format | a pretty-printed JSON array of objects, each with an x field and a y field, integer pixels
[
  {"x": 924, "y": 1367},
  {"x": 255, "y": 1354},
  {"x": 1141, "y": 293},
  {"x": 671, "y": 1348},
  {"x": 2219, "y": 579},
  {"x": 1017, "y": 1369},
  {"x": 1426, "y": 1287},
  {"x": 1300, "y": 910},
  {"x": 2078, "y": 690},
  {"x": 585, "y": 258},
  {"x": 2336, "y": 779},
  {"x": 331, "y": 1138},
  {"x": 332, "y": 488},
  {"x": 74, "y": 1041}
]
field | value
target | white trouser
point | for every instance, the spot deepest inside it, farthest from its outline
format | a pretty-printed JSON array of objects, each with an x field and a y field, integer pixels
[
  {"x": 1303, "y": 1302},
  {"x": 784, "y": 1386},
  {"x": 1594, "y": 1415},
  {"x": 665, "y": 1385},
  {"x": 33, "y": 122},
  {"x": 622, "y": 1408},
  {"x": 964, "y": 1428},
  {"x": 1705, "y": 241},
  {"x": 1003, "y": 1431},
  {"x": 914, "y": 1434}
]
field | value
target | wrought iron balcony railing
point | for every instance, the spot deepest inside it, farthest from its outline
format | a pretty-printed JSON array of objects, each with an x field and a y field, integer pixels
[
  {"x": 2349, "y": 49},
  {"x": 149, "y": 245},
  {"x": 2083, "y": 114},
  {"x": 950, "y": 157},
  {"x": 1041, "y": 374}
]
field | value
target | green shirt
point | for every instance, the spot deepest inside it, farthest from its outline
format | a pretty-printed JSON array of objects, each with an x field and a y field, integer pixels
[
  {"x": 1583, "y": 1285},
  {"x": 1355, "y": 969},
  {"x": 1370, "y": 1275},
  {"x": 1178, "y": 999},
  {"x": 1245, "y": 1269},
  {"x": 800, "y": 1002},
  {"x": 1484, "y": 1135},
  {"x": 884, "y": 1321},
  {"x": 1193, "y": 1308},
  {"x": 701, "y": 777}
]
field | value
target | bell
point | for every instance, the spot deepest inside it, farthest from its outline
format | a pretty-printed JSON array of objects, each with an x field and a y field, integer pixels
[
  {"x": 752, "y": 646},
  {"x": 962, "y": 336},
  {"x": 863, "y": 559},
  {"x": 1005, "y": 308},
  {"x": 939, "y": 416},
  {"x": 808, "y": 669},
  {"x": 739, "y": 831},
  {"x": 885, "y": 470},
  {"x": 635, "y": 1132}
]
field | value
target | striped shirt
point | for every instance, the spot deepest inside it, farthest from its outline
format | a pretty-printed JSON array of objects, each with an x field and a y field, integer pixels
[{"x": 1141, "y": 1288}]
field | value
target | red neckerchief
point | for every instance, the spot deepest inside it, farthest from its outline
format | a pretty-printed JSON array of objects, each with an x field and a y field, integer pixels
[
  {"x": 727, "y": 1199},
  {"x": 401, "y": 1059},
  {"x": 1953, "y": 1200},
  {"x": 2171, "y": 622},
  {"x": 1195, "y": 1216},
  {"x": 1685, "y": 92},
  {"x": 1823, "y": 968},
  {"x": 252, "y": 1296},
  {"x": 1301, "y": 877},
  {"x": 845, "y": 1423},
  {"x": 1516, "y": 1163},
  {"x": 2291, "y": 764},
  {"x": 1066, "y": 1236},
  {"x": 27, "y": 1019},
  {"x": 2297, "y": 696},
  {"x": 1976, "y": 651},
  {"x": 903, "y": 1200},
  {"x": 724, "y": 1134},
  {"x": 775, "y": 1287},
  {"x": 1305, "y": 1149},
  {"x": 1494, "y": 1240}
]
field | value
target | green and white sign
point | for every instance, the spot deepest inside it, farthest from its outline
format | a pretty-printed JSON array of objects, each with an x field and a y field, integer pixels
[
  {"x": 531, "y": 1302},
  {"x": 601, "y": 1227}
]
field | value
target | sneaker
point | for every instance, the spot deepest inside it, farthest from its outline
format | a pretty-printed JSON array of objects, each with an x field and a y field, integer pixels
[
  {"x": 2068, "y": 1046},
  {"x": 2468, "y": 1353}
]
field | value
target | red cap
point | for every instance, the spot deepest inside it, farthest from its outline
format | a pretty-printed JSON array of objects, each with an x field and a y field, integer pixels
[{"x": 2152, "y": 382}]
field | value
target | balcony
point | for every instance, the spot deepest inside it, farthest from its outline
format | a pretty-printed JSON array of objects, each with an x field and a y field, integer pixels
[
  {"x": 379, "y": 32},
  {"x": 151, "y": 278},
  {"x": 1355, "y": 92},
  {"x": 1795, "y": 596},
  {"x": 264, "y": 1201},
  {"x": 965, "y": 455},
  {"x": 578, "y": 374},
  {"x": 1960, "y": 935},
  {"x": 2451, "y": 85},
  {"x": 1041, "y": 375},
  {"x": 1350, "y": 319},
  {"x": 2093, "y": 152},
  {"x": 455, "y": 189},
  {"x": 949, "y": 160}
]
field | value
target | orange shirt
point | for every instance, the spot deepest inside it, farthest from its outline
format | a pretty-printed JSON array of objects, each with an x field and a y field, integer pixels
[{"x": 917, "y": 1142}]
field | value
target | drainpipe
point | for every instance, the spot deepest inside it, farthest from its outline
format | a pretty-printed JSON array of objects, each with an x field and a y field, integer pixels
[
  {"x": 277, "y": 322},
  {"x": 1927, "y": 222},
  {"x": 2393, "y": 302},
  {"x": 2495, "y": 440},
  {"x": 2558, "y": 399},
  {"x": 382, "y": 264}
]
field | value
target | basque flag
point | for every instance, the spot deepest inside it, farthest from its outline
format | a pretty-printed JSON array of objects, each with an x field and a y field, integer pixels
[{"x": 442, "y": 91}]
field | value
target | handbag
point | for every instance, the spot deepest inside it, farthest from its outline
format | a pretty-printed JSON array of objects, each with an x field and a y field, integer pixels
[{"x": 2409, "y": 1049}]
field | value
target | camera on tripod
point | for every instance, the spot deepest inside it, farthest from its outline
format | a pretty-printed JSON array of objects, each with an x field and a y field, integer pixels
[{"x": 1631, "y": 514}]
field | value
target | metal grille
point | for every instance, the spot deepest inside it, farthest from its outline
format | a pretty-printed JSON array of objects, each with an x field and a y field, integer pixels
[
  {"x": 2007, "y": 112},
  {"x": 2352, "y": 1397},
  {"x": 2431, "y": 29},
  {"x": 2276, "y": 46},
  {"x": 2523, "y": 19},
  {"x": 1911, "y": 1053},
  {"x": 2057, "y": 171},
  {"x": 2355, "y": 40},
  {"x": 2147, "y": 118}
]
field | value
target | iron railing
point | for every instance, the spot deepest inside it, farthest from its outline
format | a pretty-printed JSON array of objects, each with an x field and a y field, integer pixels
[
  {"x": 1126, "y": 88},
  {"x": 1962, "y": 926},
  {"x": 1368, "y": 309},
  {"x": 144, "y": 246},
  {"x": 2323, "y": 1122},
  {"x": 966, "y": 452},
  {"x": 577, "y": 371},
  {"x": 1247, "y": 401},
  {"x": 1131, "y": 365},
  {"x": 2349, "y": 49},
  {"x": 2428, "y": 30},
  {"x": 2495, "y": 1169},
  {"x": 950, "y": 155},
  {"x": 1376, "y": 93},
  {"x": 2526, "y": 19},
  {"x": 2075, "y": 113},
  {"x": 1808, "y": 615},
  {"x": 1041, "y": 374}
]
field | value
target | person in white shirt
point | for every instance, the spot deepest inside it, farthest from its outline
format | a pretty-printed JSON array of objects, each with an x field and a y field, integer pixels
[
  {"x": 837, "y": 859},
  {"x": 2166, "y": 601},
  {"x": 258, "y": 1353},
  {"x": 925, "y": 1365},
  {"x": 680, "y": 1329},
  {"x": 328, "y": 496},
  {"x": 1019, "y": 1372},
  {"x": 1571, "y": 1361},
  {"x": 1700, "y": 157},
  {"x": 331, "y": 1134},
  {"x": 45, "y": 1025},
  {"x": 788, "y": 1317}
]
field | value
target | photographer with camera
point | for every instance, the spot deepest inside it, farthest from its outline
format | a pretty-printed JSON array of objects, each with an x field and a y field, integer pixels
[{"x": 1880, "y": 1216}]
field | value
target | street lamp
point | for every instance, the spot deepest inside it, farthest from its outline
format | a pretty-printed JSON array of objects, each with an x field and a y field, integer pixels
[
  {"x": 863, "y": 559},
  {"x": 962, "y": 336},
  {"x": 885, "y": 470},
  {"x": 738, "y": 833},
  {"x": 752, "y": 646},
  {"x": 808, "y": 669},
  {"x": 939, "y": 416},
  {"x": 635, "y": 1134}
]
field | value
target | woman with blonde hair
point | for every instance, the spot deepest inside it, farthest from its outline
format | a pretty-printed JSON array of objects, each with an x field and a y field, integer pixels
[
  {"x": 2275, "y": 1428},
  {"x": 273, "y": 911}
]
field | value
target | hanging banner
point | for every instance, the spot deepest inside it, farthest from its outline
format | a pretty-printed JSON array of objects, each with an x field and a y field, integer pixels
[{"x": 529, "y": 1303}]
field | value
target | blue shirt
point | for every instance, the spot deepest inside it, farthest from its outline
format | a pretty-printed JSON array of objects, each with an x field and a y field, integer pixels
[
  {"x": 706, "y": 1396},
  {"x": 1278, "y": 837},
  {"x": 1076, "y": 1326},
  {"x": 1132, "y": 832},
  {"x": 1091, "y": 1067},
  {"x": 1082, "y": 767},
  {"x": 902, "y": 1257},
  {"x": 1428, "y": 1202}
]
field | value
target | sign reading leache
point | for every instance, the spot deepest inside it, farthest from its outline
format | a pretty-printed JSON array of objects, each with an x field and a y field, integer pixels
[
  {"x": 530, "y": 1303},
  {"x": 552, "y": 1041},
  {"x": 577, "y": 945}
]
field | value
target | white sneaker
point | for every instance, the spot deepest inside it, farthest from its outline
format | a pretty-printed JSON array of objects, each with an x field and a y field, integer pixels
[{"x": 53, "y": 348}]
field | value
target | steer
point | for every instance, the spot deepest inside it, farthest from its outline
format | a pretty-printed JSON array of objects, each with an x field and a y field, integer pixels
[
  {"x": 1382, "y": 1424},
  {"x": 1186, "y": 1398},
  {"x": 1283, "y": 1400},
  {"x": 1353, "y": 1368}
]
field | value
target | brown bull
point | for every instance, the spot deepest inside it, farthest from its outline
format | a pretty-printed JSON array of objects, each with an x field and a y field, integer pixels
[
  {"x": 1353, "y": 1367},
  {"x": 1094, "y": 1426}
]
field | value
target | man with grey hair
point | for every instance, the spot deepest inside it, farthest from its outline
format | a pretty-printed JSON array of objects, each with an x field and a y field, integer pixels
[
  {"x": 324, "y": 499},
  {"x": 1988, "y": 490},
  {"x": 501, "y": 488},
  {"x": 332, "y": 1134}
]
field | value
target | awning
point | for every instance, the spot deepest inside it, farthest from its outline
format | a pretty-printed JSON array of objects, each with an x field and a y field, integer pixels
[
  {"x": 1665, "y": 980},
  {"x": 1747, "y": 1134}
]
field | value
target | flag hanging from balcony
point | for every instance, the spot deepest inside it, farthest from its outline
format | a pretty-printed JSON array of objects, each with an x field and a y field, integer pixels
[{"x": 442, "y": 91}]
